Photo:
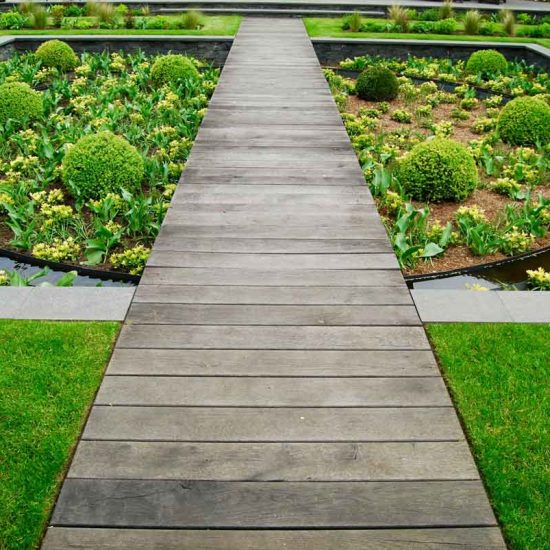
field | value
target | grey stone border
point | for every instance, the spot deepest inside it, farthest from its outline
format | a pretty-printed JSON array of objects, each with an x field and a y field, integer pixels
[
  {"x": 65, "y": 304},
  {"x": 466, "y": 306},
  {"x": 214, "y": 49},
  {"x": 333, "y": 50}
]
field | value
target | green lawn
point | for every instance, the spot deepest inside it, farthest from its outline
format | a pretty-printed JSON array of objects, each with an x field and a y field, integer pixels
[
  {"x": 499, "y": 377},
  {"x": 49, "y": 373},
  {"x": 214, "y": 25},
  {"x": 332, "y": 27}
]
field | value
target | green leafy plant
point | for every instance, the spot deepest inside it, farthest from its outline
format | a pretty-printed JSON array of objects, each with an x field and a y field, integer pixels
[
  {"x": 440, "y": 169},
  {"x": 377, "y": 84},
  {"x": 168, "y": 69},
  {"x": 57, "y": 54},
  {"x": 486, "y": 63},
  {"x": 101, "y": 163},
  {"x": 19, "y": 102},
  {"x": 525, "y": 121}
]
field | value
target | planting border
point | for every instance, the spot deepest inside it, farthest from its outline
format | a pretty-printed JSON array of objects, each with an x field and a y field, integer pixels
[{"x": 329, "y": 52}]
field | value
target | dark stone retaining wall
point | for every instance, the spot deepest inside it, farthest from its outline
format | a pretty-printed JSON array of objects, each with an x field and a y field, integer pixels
[
  {"x": 213, "y": 49},
  {"x": 331, "y": 51}
]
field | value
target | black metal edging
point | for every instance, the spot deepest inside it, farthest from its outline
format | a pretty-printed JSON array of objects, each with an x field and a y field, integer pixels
[
  {"x": 59, "y": 266},
  {"x": 476, "y": 268}
]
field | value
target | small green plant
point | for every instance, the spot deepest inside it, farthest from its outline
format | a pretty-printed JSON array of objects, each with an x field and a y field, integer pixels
[
  {"x": 132, "y": 260},
  {"x": 525, "y": 121},
  {"x": 101, "y": 163},
  {"x": 437, "y": 170},
  {"x": 171, "y": 69},
  {"x": 352, "y": 22},
  {"x": 400, "y": 17},
  {"x": 472, "y": 22},
  {"x": 446, "y": 10},
  {"x": 507, "y": 187},
  {"x": 57, "y": 54},
  {"x": 39, "y": 17},
  {"x": 508, "y": 22},
  {"x": 401, "y": 115},
  {"x": 191, "y": 20},
  {"x": 377, "y": 84},
  {"x": 486, "y": 63},
  {"x": 57, "y": 12},
  {"x": 19, "y": 102},
  {"x": 538, "y": 279}
]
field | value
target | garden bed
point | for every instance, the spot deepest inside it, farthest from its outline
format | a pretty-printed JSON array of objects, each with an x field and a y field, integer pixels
[
  {"x": 508, "y": 211},
  {"x": 46, "y": 213}
]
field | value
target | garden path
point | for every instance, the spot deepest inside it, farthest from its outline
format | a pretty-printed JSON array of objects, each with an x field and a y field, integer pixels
[{"x": 272, "y": 386}]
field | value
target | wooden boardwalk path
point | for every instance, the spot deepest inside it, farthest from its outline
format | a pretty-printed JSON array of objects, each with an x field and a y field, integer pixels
[{"x": 272, "y": 387}]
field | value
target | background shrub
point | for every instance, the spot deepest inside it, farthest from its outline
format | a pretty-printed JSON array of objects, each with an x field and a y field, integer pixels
[
  {"x": 58, "y": 54},
  {"x": 486, "y": 62},
  {"x": 472, "y": 22},
  {"x": 12, "y": 20},
  {"x": 525, "y": 121},
  {"x": 191, "y": 20},
  {"x": 101, "y": 163},
  {"x": 438, "y": 170},
  {"x": 377, "y": 84},
  {"x": 18, "y": 101},
  {"x": 169, "y": 69},
  {"x": 352, "y": 22}
]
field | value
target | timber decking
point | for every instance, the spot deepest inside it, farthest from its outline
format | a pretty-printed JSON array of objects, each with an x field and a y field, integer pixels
[{"x": 273, "y": 379}]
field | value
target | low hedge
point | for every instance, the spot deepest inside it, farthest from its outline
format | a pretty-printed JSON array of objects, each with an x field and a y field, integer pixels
[
  {"x": 525, "y": 121},
  {"x": 377, "y": 84},
  {"x": 171, "y": 69},
  {"x": 18, "y": 101},
  {"x": 57, "y": 54}
]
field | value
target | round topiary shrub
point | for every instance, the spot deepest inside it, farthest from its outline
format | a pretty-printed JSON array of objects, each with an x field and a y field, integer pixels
[
  {"x": 377, "y": 84},
  {"x": 101, "y": 163},
  {"x": 57, "y": 54},
  {"x": 486, "y": 62},
  {"x": 170, "y": 69},
  {"x": 525, "y": 121},
  {"x": 18, "y": 101},
  {"x": 438, "y": 170}
]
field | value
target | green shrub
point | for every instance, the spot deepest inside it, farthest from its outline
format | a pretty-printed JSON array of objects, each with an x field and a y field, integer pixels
[
  {"x": 102, "y": 163},
  {"x": 472, "y": 22},
  {"x": 525, "y": 121},
  {"x": 12, "y": 20},
  {"x": 191, "y": 20},
  {"x": 377, "y": 84},
  {"x": 18, "y": 101},
  {"x": 438, "y": 170},
  {"x": 58, "y": 54},
  {"x": 486, "y": 62},
  {"x": 169, "y": 69}
]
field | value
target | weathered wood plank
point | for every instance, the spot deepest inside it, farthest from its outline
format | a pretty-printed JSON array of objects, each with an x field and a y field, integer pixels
[
  {"x": 272, "y": 424},
  {"x": 481, "y": 538},
  {"x": 160, "y": 362},
  {"x": 175, "y": 240},
  {"x": 208, "y": 504},
  {"x": 272, "y": 315},
  {"x": 167, "y": 258},
  {"x": 274, "y": 461},
  {"x": 261, "y": 337},
  {"x": 295, "y": 277},
  {"x": 161, "y": 294},
  {"x": 272, "y": 392}
]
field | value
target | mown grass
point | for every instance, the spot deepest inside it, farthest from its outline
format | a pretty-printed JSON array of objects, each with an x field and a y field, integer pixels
[
  {"x": 332, "y": 28},
  {"x": 214, "y": 25},
  {"x": 498, "y": 375},
  {"x": 49, "y": 373}
]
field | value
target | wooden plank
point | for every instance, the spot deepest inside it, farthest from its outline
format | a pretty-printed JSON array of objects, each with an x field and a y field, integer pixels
[
  {"x": 332, "y": 209},
  {"x": 264, "y": 189},
  {"x": 272, "y": 392},
  {"x": 167, "y": 258},
  {"x": 289, "y": 231},
  {"x": 274, "y": 461},
  {"x": 272, "y": 424},
  {"x": 160, "y": 362},
  {"x": 220, "y": 504},
  {"x": 272, "y": 315},
  {"x": 261, "y": 337},
  {"x": 161, "y": 294},
  {"x": 176, "y": 240},
  {"x": 295, "y": 277},
  {"x": 280, "y": 200},
  {"x": 481, "y": 538}
]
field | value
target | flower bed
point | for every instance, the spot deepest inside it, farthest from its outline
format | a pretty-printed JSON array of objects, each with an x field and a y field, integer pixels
[
  {"x": 78, "y": 203},
  {"x": 451, "y": 192}
]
